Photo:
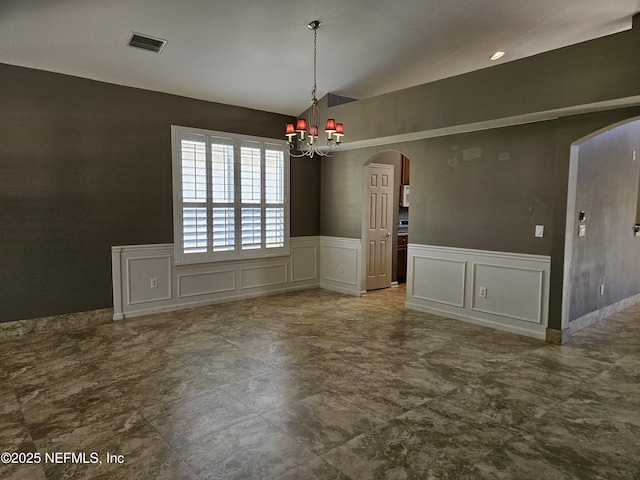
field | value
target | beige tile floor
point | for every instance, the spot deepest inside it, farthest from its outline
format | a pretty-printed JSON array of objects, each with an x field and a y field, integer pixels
[{"x": 318, "y": 385}]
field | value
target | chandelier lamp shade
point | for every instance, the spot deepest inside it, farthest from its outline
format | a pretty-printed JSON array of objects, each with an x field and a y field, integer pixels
[{"x": 303, "y": 137}]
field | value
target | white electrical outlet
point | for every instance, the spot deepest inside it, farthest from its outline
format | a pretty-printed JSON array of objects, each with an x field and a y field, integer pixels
[
  {"x": 341, "y": 268},
  {"x": 539, "y": 231},
  {"x": 483, "y": 292},
  {"x": 601, "y": 289},
  {"x": 154, "y": 283}
]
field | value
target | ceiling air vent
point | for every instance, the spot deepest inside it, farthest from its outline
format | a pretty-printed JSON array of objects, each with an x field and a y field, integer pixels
[{"x": 146, "y": 42}]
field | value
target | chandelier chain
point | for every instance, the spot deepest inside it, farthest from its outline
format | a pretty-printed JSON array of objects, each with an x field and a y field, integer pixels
[{"x": 315, "y": 50}]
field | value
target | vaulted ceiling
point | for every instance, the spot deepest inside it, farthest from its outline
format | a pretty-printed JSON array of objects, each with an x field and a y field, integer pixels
[{"x": 259, "y": 53}]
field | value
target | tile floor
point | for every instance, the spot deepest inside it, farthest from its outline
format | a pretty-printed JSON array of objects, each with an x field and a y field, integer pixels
[{"x": 318, "y": 385}]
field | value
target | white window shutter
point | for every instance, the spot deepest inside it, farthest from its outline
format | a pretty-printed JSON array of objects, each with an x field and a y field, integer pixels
[{"x": 229, "y": 196}]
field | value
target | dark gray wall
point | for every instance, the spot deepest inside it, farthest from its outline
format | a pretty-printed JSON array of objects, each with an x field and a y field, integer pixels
[
  {"x": 85, "y": 165},
  {"x": 607, "y": 191},
  {"x": 305, "y": 197},
  {"x": 341, "y": 194},
  {"x": 480, "y": 202},
  {"x": 485, "y": 190}
]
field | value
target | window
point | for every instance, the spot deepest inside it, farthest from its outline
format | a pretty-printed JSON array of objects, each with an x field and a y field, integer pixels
[{"x": 229, "y": 196}]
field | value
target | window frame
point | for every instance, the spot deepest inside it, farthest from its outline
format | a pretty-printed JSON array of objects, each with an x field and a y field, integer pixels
[{"x": 237, "y": 253}]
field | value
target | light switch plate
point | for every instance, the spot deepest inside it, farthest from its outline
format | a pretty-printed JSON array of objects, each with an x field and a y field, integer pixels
[
  {"x": 539, "y": 230},
  {"x": 582, "y": 230}
]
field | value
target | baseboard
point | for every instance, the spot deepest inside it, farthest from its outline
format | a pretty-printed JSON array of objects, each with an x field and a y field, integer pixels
[
  {"x": 56, "y": 323},
  {"x": 557, "y": 337},
  {"x": 594, "y": 317},
  {"x": 234, "y": 298},
  {"x": 345, "y": 290},
  {"x": 475, "y": 320}
]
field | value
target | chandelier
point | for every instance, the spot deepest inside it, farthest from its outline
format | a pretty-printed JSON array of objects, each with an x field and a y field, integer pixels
[{"x": 307, "y": 140}]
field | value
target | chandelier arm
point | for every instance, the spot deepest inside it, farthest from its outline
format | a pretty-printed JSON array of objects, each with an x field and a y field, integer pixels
[
  {"x": 295, "y": 155},
  {"x": 310, "y": 152}
]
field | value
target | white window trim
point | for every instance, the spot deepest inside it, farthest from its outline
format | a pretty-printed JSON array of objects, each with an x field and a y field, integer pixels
[{"x": 238, "y": 253}]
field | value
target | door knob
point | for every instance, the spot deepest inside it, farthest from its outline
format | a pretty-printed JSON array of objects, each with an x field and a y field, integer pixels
[{"x": 388, "y": 234}]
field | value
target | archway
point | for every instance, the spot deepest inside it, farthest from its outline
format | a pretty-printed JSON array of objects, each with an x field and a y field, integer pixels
[
  {"x": 600, "y": 264},
  {"x": 399, "y": 228}
]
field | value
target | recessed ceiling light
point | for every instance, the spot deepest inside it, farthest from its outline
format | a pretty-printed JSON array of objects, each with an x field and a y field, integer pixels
[{"x": 497, "y": 55}]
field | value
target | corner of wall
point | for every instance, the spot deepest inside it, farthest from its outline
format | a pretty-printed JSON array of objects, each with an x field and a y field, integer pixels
[{"x": 557, "y": 337}]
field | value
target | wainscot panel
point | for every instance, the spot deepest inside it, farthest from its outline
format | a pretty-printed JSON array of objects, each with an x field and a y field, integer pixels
[
  {"x": 147, "y": 280},
  {"x": 263, "y": 276},
  {"x": 304, "y": 260},
  {"x": 192, "y": 284},
  {"x": 501, "y": 290},
  {"x": 508, "y": 291},
  {"x": 441, "y": 281},
  {"x": 341, "y": 265}
]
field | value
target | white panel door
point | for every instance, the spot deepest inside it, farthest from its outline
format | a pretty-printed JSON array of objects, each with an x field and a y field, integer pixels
[{"x": 379, "y": 187}]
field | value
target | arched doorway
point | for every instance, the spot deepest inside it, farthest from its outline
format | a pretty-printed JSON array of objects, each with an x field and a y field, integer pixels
[
  {"x": 600, "y": 260},
  {"x": 382, "y": 269}
]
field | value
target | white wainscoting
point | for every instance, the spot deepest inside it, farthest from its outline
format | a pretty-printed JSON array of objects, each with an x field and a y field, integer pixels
[
  {"x": 184, "y": 286},
  {"x": 447, "y": 281},
  {"x": 341, "y": 265}
]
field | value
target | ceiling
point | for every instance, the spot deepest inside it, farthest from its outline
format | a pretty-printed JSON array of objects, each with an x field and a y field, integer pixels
[{"x": 259, "y": 53}]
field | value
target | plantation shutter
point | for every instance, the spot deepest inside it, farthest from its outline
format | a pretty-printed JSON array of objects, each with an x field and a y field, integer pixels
[
  {"x": 222, "y": 193},
  {"x": 230, "y": 196}
]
